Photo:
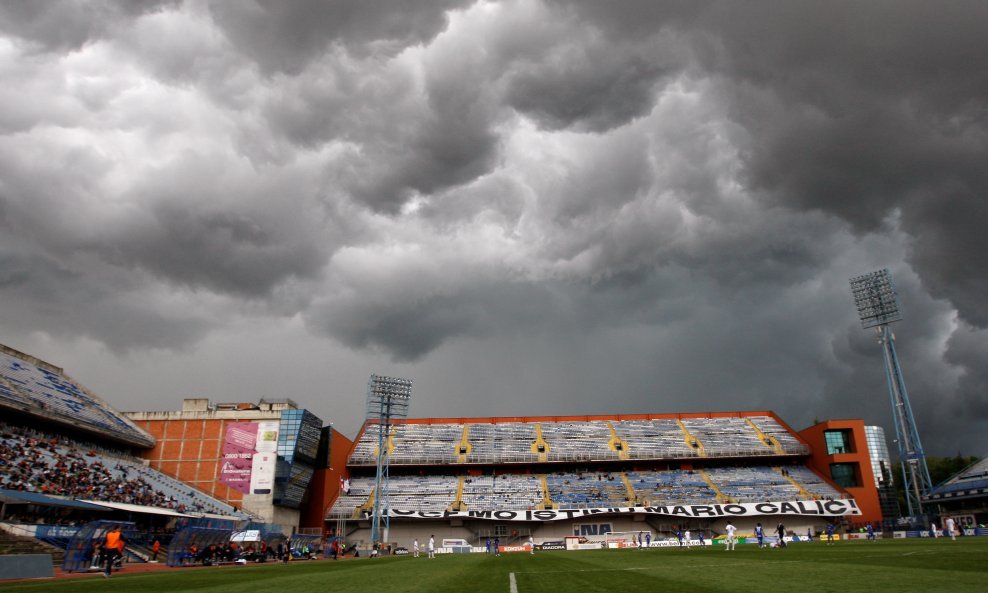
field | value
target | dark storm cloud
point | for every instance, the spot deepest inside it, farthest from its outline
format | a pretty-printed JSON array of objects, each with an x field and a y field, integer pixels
[
  {"x": 200, "y": 230},
  {"x": 116, "y": 309},
  {"x": 968, "y": 348},
  {"x": 593, "y": 82},
  {"x": 868, "y": 111},
  {"x": 569, "y": 199}
]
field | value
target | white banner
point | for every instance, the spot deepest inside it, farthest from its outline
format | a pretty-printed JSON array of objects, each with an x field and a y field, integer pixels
[{"x": 819, "y": 508}]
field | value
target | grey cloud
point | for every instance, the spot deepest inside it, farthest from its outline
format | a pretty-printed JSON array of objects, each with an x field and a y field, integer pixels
[
  {"x": 64, "y": 25},
  {"x": 81, "y": 298},
  {"x": 889, "y": 121},
  {"x": 286, "y": 36},
  {"x": 968, "y": 349},
  {"x": 593, "y": 84},
  {"x": 535, "y": 208}
]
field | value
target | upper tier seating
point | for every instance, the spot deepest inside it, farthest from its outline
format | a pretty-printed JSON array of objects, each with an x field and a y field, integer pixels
[
  {"x": 38, "y": 390},
  {"x": 579, "y": 441},
  {"x": 726, "y": 437},
  {"x": 646, "y": 436},
  {"x": 591, "y": 440}
]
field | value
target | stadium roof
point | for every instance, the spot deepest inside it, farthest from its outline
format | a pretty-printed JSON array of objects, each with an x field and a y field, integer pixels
[
  {"x": 971, "y": 481},
  {"x": 34, "y": 387},
  {"x": 36, "y": 498},
  {"x": 136, "y": 508}
]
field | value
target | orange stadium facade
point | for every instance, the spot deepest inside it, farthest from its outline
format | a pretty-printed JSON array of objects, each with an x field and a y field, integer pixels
[{"x": 189, "y": 446}]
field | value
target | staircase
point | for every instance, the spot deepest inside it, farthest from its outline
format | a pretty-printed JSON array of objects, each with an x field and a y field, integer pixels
[
  {"x": 721, "y": 497},
  {"x": 18, "y": 544},
  {"x": 546, "y": 504},
  {"x": 540, "y": 446},
  {"x": 769, "y": 441},
  {"x": 691, "y": 440},
  {"x": 632, "y": 496},
  {"x": 358, "y": 513},
  {"x": 463, "y": 448},
  {"x": 458, "y": 504},
  {"x": 806, "y": 494},
  {"x": 617, "y": 443}
]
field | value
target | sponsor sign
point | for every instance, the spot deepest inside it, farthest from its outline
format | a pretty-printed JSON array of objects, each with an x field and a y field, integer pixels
[
  {"x": 251, "y": 535},
  {"x": 262, "y": 473},
  {"x": 265, "y": 458},
  {"x": 238, "y": 455},
  {"x": 818, "y": 508},
  {"x": 596, "y": 546},
  {"x": 556, "y": 545},
  {"x": 250, "y": 452},
  {"x": 267, "y": 436},
  {"x": 670, "y": 543}
]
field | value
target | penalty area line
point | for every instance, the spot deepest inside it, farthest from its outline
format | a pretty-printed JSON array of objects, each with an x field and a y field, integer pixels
[{"x": 512, "y": 583}]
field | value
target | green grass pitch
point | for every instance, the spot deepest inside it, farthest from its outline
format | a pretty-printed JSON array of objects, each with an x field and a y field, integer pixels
[{"x": 903, "y": 566}]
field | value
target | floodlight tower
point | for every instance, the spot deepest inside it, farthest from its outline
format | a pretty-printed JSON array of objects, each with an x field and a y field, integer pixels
[
  {"x": 878, "y": 306},
  {"x": 387, "y": 399}
]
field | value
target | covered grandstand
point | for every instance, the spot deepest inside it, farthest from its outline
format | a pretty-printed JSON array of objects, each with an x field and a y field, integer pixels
[
  {"x": 964, "y": 495},
  {"x": 69, "y": 459},
  {"x": 35, "y": 389},
  {"x": 547, "y": 476}
]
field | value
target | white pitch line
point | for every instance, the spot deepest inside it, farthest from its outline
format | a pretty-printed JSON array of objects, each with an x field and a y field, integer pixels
[
  {"x": 512, "y": 584},
  {"x": 718, "y": 564}
]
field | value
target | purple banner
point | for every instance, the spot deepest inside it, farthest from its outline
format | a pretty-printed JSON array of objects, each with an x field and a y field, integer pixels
[{"x": 238, "y": 455}]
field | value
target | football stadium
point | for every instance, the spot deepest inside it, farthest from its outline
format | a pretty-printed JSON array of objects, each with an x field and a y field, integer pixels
[{"x": 215, "y": 494}]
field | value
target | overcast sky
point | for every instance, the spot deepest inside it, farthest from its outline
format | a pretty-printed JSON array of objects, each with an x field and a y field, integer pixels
[{"x": 526, "y": 207}]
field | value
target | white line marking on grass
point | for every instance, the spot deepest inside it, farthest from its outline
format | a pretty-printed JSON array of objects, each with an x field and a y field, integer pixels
[
  {"x": 512, "y": 584},
  {"x": 718, "y": 564}
]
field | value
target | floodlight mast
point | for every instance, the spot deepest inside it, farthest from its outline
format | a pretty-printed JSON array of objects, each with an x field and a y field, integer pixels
[
  {"x": 387, "y": 399},
  {"x": 878, "y": 306}
]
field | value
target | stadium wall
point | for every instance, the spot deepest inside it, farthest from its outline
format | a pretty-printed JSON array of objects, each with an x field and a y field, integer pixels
[
  {"x": 189, "y": 442},
  {"x": 325, "y": 485},
  {"x": 403, "y": 532},
  {"x": 852, "y": 455}
]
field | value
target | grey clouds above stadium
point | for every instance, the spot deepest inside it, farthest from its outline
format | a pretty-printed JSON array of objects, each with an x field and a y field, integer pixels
[{"x": 530, "y": 207}]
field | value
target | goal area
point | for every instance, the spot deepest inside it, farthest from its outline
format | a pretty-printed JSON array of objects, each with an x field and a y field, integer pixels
[{"x": 628, "y": 539}]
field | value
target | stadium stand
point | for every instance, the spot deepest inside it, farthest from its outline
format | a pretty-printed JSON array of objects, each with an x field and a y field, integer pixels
[
  {"x": 972, "y": 480},
  {"x": 31, "y": 386},
  {"x": 645, "y": 436},
  {"x": 582, "y": 490},
  {"x": 577, "y": 490},
  {"x": 32, "y": 461},
  {"x": 591, "y": 440}
]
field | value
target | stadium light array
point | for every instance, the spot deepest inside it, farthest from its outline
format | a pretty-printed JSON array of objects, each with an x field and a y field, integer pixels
[
  {"x": 387, "y": 399},
  {"x": 875, "y": 298},
  {"x": 878, "y": 306}
]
